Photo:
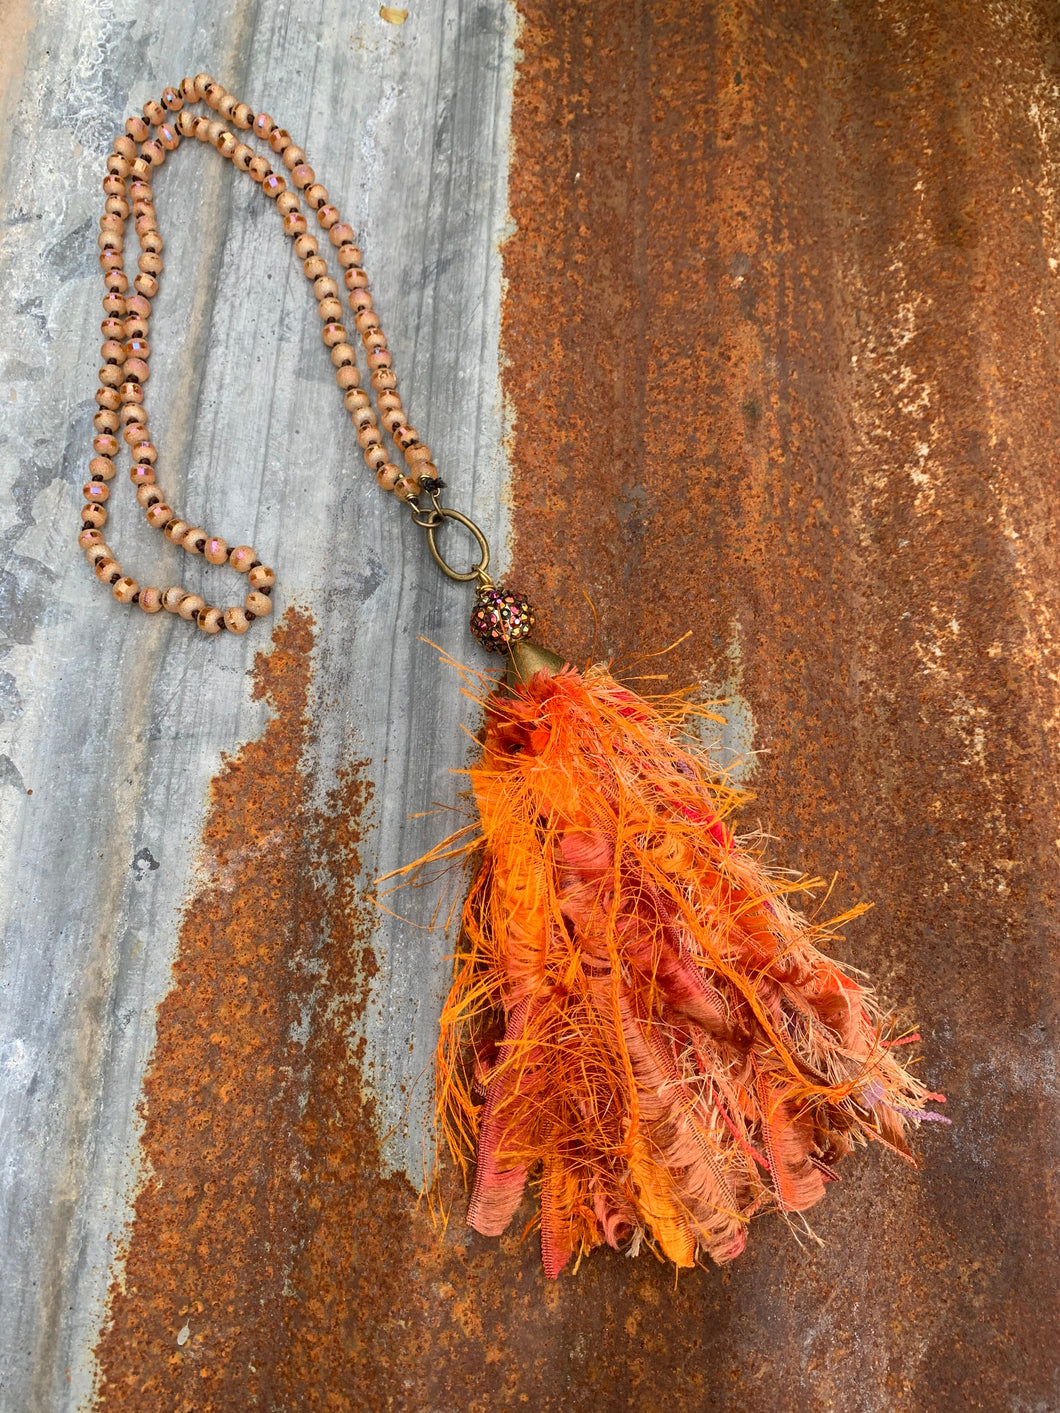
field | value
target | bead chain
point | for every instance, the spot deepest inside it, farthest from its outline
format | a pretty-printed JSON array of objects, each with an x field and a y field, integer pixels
[{"x": 126, "y": 351}]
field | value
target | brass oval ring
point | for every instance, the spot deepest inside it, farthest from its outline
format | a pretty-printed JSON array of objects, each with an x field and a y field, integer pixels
[{"x": 477, "y": 570}]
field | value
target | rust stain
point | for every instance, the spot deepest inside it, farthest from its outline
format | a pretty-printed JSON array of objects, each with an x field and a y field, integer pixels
[{"x": 781, "y": 335}]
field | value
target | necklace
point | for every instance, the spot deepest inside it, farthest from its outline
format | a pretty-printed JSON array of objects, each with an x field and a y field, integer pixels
[{"x": 640, "y": 1023}]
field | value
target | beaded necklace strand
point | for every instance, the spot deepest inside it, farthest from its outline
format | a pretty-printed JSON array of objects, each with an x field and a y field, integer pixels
[{"x": 501, "y": 618}]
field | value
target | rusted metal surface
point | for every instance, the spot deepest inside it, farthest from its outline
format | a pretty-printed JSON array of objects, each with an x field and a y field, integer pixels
[{"x": 781, "y": 338}]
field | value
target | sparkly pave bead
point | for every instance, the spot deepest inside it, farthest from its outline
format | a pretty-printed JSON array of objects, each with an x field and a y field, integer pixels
[{"x": 501, "y": 617}]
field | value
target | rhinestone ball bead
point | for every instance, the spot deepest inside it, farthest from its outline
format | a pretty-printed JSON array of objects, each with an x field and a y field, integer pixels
[{"x": 501, "y": 617}]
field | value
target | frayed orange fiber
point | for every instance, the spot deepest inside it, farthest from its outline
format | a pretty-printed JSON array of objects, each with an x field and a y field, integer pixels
[{"x": 640, "y": 1023}]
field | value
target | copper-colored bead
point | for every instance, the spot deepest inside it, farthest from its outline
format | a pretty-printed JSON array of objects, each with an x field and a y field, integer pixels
[
  {"x": 390, "y": 401},
  {"x": 114, "y": 186},
  {"x": 375, "y": 457},
  {"x": 154, "y": 112},
  {"x": 203, "y": 83},
  {"x": 133, "y": 410},
  {"x": 261, "y": 577},
  {"x": 108, "y": 571},
  {"x": 243, "y": 116},
  {"x": 113, "y": 329},
  {"x": 190, "y": 604},
  {"x": 140, "y": 169},
  {"x": 287, "y": 202},
  {"x": 93, "y": 515},
  {"x": 360, "y": 299},
  {"x": 117, "y": 166},
  {"x": 148, "y": 495},
  {"x": 108, "y": 398},
  {"x": 106, "y": 421},
  {"x": 313, "y": 266},
  {"x": 116, "y": 282},
  {"x": 273, "y": 185},
  {"x": 227, "y": 106},
  {"x": 111, "y": 351},
  {"x": 159, "y": 516},
  {"x": 96, "y": 492},
  {"x": 347, "y": 375},
  {"x": 96, "y": 554},
  {"x": 89, "y": 539},
  {"x": 294, "y": 224},
  {"x": 172, "y": 100},
  {"x": 137, "y": 128},
  {"x": 365, "y": 320},
  {"x": 136, "y": 369},
  {"x": 259, "y": 169},
  {"x": 279, "y": 140},
  {"x": 110, "y": 260},
  {"x": 216, "y": 550},
  {"x": 263, "y": 126},
  {"x": 330, "y": 309},
  {"x": 142, "y": 475},
  {"x": 258, "y": 604},
  {"x": 137, "y": 305},
  {"x": 356, "y": 397},
  {"x": 242, "y": 156},
  {"x": 176, "y": 530},
  {"x": 379, "y": 358},
  {"x": 125, "y": 590},
  {"x": 110, "y": 375},
  {"x": 150, "y": 599},
  {"x": 364, "y": 415},
  {"x": 132, "y": 394},
  {"x": 325, "y": 288},
  {"x": 111, "y": 221},
  {"x": 383, "y": 379},
  {"x": 168, "y": 137},
  {"x": 302, "y": 175},
  {"x": 388, "y": 476},
  {"x": 225, "y": 143},
  {"x": 194, "y": 540},
  {"x": 350, "y": 256},
  {"x": 149, "y": 263},
  {"x": 214, "y": 94},
  {"x": 147, "y": 451},
  {"x": 373, "y": 340},
  {"x": 293, "y": 156},
  {"x": 343, "y": 355},
  {"x": 354, "y": 278},
  {"x": 135, "y": 434},
  {"x": 341, "y": 234},
  {"x": 369, "y": 436},
  {"x": 241, "y": 558},
  {"x": 316, "y": 196},
  {"x": 113, "y": 303},
  {"x": 102, "y": 466},
  {"x": 405, "y": 489},
  {"x": 328, "y": 216},
  {"x": 332, "y": 334},
  {"x": 210, "y": 620},
  {"x": 236, "y": 620},
  {"x": 185, "y": 124},
  {"x": 172, "y": 596},
  {"x": 153, "y": 152}
]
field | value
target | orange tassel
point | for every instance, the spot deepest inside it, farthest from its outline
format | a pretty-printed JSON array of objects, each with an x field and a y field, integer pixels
[{"x": 639, "y": 1021}]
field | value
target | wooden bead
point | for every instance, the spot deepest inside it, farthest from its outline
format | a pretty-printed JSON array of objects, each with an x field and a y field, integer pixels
[
  {"x": 210, "y": 620},
  {"x": 216, "y": 550},
  {"x": 241, "y": 558},
  {"x": 176, "y": 530},
  {"x": 158, "y": 516},
  {"x": 258, "y": 604},
  {"x": 125, "y": 590},
  {"x": 154, "y": 152},
  {"x": 236, "y": 620},
  {"x": 261, "y": 577},
  {"x": 150, "y": 600},
  {"x": 190, "y": 604},
  {"x": 93, "y": 515},
  {"x": 194, "y": 540},
  {"x": 171, "y": 598}
]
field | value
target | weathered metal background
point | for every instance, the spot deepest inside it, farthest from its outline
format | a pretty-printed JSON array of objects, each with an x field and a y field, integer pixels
[{"x": 780, "y": 342}]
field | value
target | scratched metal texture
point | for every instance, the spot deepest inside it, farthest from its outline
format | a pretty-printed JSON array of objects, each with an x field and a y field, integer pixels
[
  {"x": 780, "y": 360},
  {"x": 114, "y": 724}
]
